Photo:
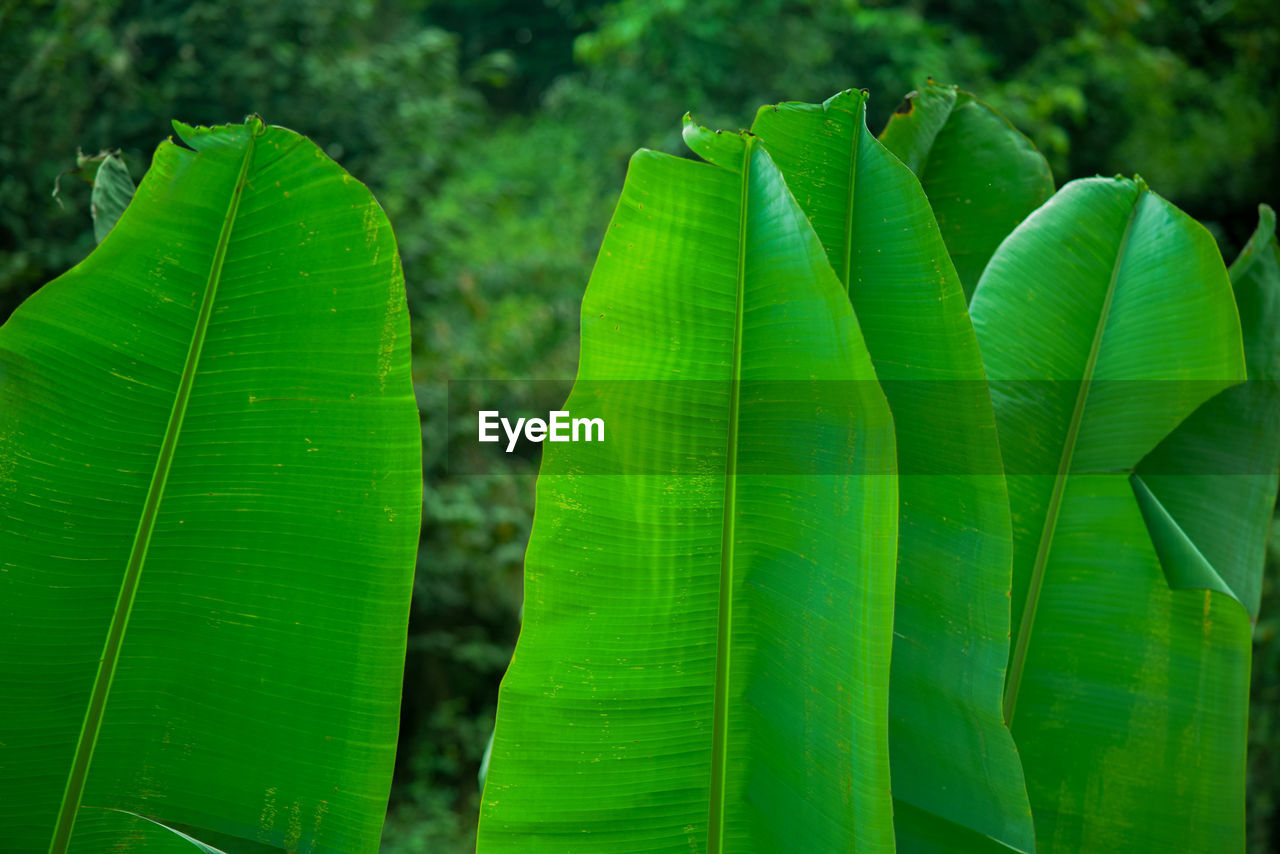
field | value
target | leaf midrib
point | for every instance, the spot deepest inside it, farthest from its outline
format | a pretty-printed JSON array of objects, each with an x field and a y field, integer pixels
[
  {"x": 859, "y": 122},
  {"x": 1018, "y": 663},
  {"x": 724, "y": 626},
  {"x": 78, "y": 774}
]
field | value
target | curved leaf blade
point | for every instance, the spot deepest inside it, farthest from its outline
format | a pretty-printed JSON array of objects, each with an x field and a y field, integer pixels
[
  {"x": 100, "y": 829},
  {"x": 953, "y": 761},
  {"x": 1208, "y": 491},
  {"x": 982, "y": 175},
  {"x": 207, "y": 442},
  {"x": 1254, "y": 276},
  {"x": 697, "y": 632},
  {"x": 1105, "y": 319}
]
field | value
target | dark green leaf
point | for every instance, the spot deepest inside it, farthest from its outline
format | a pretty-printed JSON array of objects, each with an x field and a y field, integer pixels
[
  {"x": 112, "y": 190},
  {"x": 982, "y": 176}
]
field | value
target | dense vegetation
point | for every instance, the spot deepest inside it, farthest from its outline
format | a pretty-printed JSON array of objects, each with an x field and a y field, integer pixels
[{"x": 495, "y": 134}]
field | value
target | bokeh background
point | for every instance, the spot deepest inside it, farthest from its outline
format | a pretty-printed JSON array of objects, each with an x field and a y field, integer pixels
[{"x": 496, "y": 135}]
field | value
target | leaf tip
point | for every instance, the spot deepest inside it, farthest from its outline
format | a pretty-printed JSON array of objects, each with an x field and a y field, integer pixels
[
  {"x": 1267, "y": 217},
  {"x": 184, "y": 131},
  {"x": 713, "y": 146}
]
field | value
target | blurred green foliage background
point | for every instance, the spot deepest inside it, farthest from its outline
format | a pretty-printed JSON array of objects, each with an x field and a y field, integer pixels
[{"x": 496, "y": 135}]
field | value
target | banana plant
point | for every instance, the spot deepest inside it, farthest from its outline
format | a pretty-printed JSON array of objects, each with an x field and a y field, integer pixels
[
  {"x": 1105, "y": 320},
  {"x": 209, "y": 503},
  {"x": 982, "y": 176},
  {"x": 703, "y": 663},
  {"x": 957, "y": 780}
]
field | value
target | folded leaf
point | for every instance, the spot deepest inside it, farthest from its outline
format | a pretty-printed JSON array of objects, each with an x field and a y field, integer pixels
[
  {"x": 1105, "y": 319},
  {"x": 982, "y": 176},
  {"x": 209, "y": 502},
  {"x": 1208, "y": 491},
  {"x": 953, "y": 761},
  {"x": 704, "y": 659},
  {"x": 100, "y": 829}
]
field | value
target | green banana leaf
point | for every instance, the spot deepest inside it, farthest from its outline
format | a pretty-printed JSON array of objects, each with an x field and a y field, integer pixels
[
  {"x": 112, "y": 189},
  {"x": 982, "y": 176},
  {"x": 957, "y": 780},
  {"x": 704, "y": 660},
  {"x": 209, "y": 503},
  {"x": 1106, "y": 319},
  {"x": 1208, "y": 491}
]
